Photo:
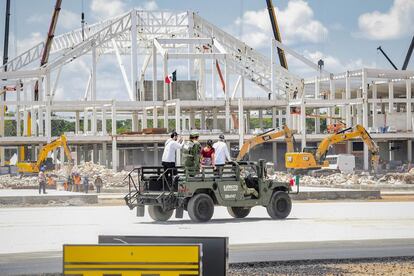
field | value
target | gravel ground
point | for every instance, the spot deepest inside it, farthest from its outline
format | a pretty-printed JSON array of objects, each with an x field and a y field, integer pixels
[{"x": 388, "y": 266}]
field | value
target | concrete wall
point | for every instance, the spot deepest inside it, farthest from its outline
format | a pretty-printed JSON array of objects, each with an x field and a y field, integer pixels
[{"x": 184, "y": 90}]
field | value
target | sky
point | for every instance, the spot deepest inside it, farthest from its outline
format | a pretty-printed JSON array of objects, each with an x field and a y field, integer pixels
[{"x": 345, "y": 34}]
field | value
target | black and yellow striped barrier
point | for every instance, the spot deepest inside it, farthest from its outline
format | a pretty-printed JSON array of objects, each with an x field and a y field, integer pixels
[{"x": 128, "y": 260}]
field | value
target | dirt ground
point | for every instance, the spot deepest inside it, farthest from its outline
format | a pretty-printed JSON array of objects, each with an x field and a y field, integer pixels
[{"x": 389, "y": 266}]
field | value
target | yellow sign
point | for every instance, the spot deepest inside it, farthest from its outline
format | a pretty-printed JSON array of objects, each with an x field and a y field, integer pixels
[{"x": 128, "y": 260}]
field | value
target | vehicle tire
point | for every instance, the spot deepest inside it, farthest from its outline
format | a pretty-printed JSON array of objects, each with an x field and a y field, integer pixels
[
  {"x": 239, "y": 212},
  {"x": 200, "y": 208},
  {"x": 157, "y": 214},
  {"x": 279, "y": 206}
]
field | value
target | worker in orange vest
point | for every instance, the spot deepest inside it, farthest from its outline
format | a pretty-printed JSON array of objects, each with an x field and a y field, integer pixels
[{"x": 77, "y": 182}]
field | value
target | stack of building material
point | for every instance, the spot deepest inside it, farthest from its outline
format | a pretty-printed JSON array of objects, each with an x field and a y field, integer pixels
[{"x": 154, "y": 130}]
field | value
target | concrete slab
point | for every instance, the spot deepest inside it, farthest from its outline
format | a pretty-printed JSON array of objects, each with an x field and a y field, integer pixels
[
  {"x": 32, "y": 197},
  {"x": 324, "y": 193}
]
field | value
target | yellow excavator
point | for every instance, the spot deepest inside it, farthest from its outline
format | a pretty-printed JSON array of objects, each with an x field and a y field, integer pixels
[
  {"x": 314, "y": 158},
  {"x": 42, "y": 159},
  {"x": 267, "y": 136}
]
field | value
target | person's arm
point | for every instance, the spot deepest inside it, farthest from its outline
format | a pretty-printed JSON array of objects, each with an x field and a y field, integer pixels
[{"x": 213, "y": 159}]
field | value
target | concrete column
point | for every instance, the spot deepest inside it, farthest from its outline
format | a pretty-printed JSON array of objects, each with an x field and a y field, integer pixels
[
  {"x": 177, "y": 116},
  {"x": 348, "y": 119},
  {"x": 374, "y": 106},
  {"x": 48, "y": 117},
  {"x": 317, "y": 122},
  {"x": 104, "y": 132},
  {"x": 364, "y": 116},
  {"x": 146, "y": 151},
  {"x": 135, "y": 121},
  {"x": 392, "y": 152},
  {"x": 192, "y": 119},
  {"x": 241, "y": 123},
  {"x": 113, "y": 120},
  {"x": 18, "y": 114},
  {"x": 203, "y": 119},
  {"x": 95, "y": 154},
  {"x": 213, "y": 78},
  {"x": 93, "y": 90},
  {"x": 288, "y": 117},
  {"x": 78, "y": 154},
  {"x": 156, "y": 162},
  {"x": 273, "y": 56},
  {"x": 104, "y": 158},
  {"x": 247, "y": 124},
  {"x": 215, "y": 111},
  {"x": 144, "y": 118},
  {"x": 61, "y": 156},
  {"x": 303, "y": 124},
  {"x": 260, "y": 118},
  {"x": 126, "y": 157},
  {"x": 155, "y": 117},
  {"x": 274, "y": 118},
  {"x": 93, "y": 121},
  {"x": 410, "y": 151},
  {"x": 391, "y": 97},
  {"x": 408, "y": 109},
  {"x": 154, "y": 73},
  {"x": 39, "y": 110},
  {"x": 85, "y": 121},
  {"x": 77, "y": 122},
  {"x": 114, "y": 155},
  {"x": 274, "y": 154},
  {"x": 227, "y": 116},
  {"x": 166, "y": 117},
  {"x": 331, "y": 97},
  {"x": 359, "y": 108},
  {"x": 202, "y": 78}
]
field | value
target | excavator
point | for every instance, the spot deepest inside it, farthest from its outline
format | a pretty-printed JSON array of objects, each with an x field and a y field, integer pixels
[
  {"x": 314, "y": 158},
  {"x": 42, "y": 159},
  {"x": 267, "y": 136}
]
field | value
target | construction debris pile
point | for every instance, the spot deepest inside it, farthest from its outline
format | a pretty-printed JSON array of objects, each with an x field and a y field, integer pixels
[
  {"x": 89, "y": 169},
  {"x": 351, "y": 180}
]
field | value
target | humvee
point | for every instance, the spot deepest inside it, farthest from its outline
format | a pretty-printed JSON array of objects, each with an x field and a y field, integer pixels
[{"x": 240, "y": 186}]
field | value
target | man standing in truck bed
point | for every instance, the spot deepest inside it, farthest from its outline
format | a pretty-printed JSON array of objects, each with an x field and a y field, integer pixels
[
  {"x": 221, "y": 154},
  {"x": 170, "y": 150}
]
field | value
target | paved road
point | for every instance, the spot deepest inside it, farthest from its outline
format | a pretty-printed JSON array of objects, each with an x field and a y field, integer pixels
[{"x": 339, "y": 229}]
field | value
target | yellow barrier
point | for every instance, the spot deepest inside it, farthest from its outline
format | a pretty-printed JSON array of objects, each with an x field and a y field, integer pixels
[{"x": 128, "y": 260}]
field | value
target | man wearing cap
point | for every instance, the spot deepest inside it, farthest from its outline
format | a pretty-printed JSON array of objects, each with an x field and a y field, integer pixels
[
  {"x": 221, "y": 154},
  {"x": 191, "y": 154},
  {"x": 170, "y": 149}
]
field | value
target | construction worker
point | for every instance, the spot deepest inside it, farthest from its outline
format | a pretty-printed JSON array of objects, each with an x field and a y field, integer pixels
[
  {"x": 85, "y": 184},
  {"x": 221, "y": 154},
  {"x": 77, "y": 182},
  {"x": 191, "y": 154},
  {"x": 98, "y": 184},
  {"x": 170, "y": 150},
  {"x": 42, "y": 181}
]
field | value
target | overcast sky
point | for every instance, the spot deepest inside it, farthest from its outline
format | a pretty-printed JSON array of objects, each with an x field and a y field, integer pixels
[{"x": 344, "y": 33}]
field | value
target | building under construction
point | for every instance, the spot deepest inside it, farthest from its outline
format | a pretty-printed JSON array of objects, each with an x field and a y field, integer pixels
[{"x": 215, "y": 96}]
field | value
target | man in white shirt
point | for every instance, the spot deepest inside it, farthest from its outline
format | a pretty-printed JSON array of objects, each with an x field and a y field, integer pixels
[
  {"x": 221, "y": 154},
  {"x": 170, "y": 150}
]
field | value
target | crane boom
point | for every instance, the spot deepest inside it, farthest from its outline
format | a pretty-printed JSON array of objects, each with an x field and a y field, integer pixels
[
  {"x": 276, "y": 33},
  {"x": 386, "y": 56},
  {"x": 408, "y": 56},
  {"x": 268, "y": 136}
]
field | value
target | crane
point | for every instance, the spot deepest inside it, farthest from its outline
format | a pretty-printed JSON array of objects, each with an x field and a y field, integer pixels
[
  {"x": 408, "y": 56},
  {"x": 267, "y": 136},
  {"x": 276, "y": 33},
  {"x": 386, "y": 56},
  {"x": 314, "y": 158},
  {"x": 34, "y": 167}
]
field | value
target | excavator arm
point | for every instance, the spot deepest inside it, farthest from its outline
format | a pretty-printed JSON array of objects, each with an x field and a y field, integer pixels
[
  {"x": 59, "y": 142},
  {"x": 268, "y": 136}
]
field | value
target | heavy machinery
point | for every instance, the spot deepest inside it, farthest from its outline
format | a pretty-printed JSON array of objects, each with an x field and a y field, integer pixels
[
  {"x": 42, "y": 159},
  {"x": 267, "y": 136},
  {"x": 314, "y": 158},
  {"x": 241, "y": 186}
]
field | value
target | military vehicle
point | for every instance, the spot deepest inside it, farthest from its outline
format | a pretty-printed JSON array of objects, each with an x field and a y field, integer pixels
[{"x": 241, "y": 186}]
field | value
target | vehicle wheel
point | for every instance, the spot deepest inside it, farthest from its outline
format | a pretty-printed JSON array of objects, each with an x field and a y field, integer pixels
[
  {"x": 157, "y": 214},
  {"x": 279, "y": 206},
  {"x": 239, "y": 212},
  {"x": 200, "y": 208}
]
